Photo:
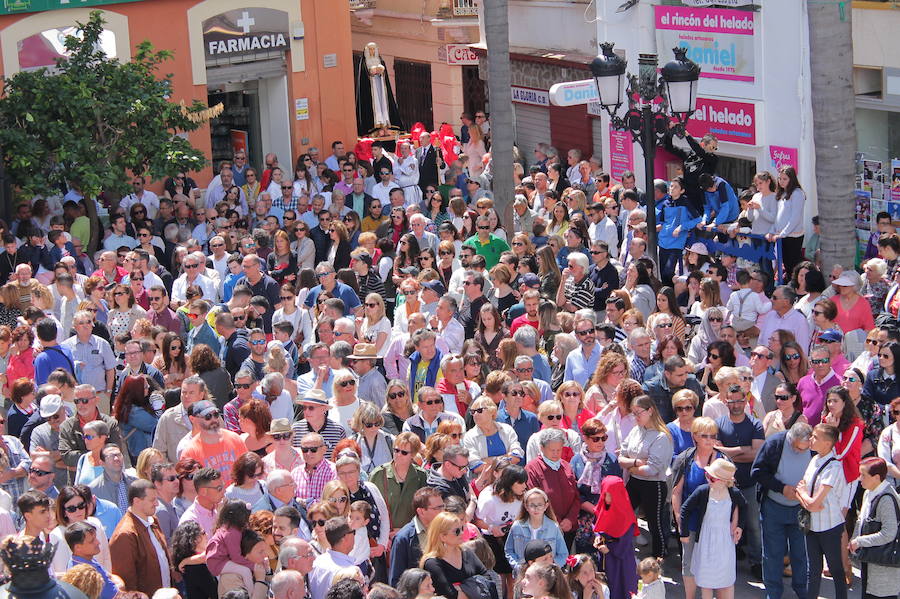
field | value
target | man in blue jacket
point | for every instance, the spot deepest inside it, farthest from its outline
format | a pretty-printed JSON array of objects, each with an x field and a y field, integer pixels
[
  {"x": 406, "y": 548},
  {"x": 676, "y": 220},
  {"x": 424, "y": 363},
  {"x": 721, "y": 205},
  {"x": 779, "y": 465}
]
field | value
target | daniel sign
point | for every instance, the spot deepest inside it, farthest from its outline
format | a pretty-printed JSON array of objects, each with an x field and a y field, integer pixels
[{"x": 245, "y": 31}]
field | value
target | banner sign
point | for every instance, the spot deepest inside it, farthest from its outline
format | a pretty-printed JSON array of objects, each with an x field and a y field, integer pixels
[
  {"x": 721, "y": 41},
  {"x": 12, "y": 7},
  {"x": 621, "y": 153},
  {"x": 527, "y": 95},
  {"x": 720, "y": 2},
  {"x": 461, "y": 54},
  {"x": 781, "y": 156},
  {"x": 245, "y": 31},
  {"x": 728, "y": 121},
  {"x": 573, "y": 93}
]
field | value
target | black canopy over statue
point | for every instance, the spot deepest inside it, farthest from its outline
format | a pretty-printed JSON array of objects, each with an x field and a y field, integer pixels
[{"x": 377, "y": 114}]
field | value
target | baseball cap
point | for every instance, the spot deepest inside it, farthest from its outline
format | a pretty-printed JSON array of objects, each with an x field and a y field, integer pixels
[
  {"x": 529, "y": 279},
  {"x": 203, "y": 407},
  {"x": 50, "y": 405},
  {"x": 435, "y": 286},
  {"x": 536, "y": 549},
  {"x": 831, "y": 335}
]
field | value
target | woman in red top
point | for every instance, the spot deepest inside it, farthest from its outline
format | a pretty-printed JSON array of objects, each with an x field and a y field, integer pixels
[
  {"x": 854, "y": 311},
  {"x": 571, "y": 396},
  {"x": 841, "y": 412}
]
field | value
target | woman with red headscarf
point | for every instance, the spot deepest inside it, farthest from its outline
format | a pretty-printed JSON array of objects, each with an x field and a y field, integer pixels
[{"x": 616, "y": 527}]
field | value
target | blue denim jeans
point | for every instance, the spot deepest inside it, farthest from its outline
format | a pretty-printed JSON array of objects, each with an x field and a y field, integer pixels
[{"x": 782, "y": 535}]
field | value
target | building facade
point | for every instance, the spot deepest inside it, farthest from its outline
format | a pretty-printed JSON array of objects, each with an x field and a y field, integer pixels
[{"x": 283, "y": 71}]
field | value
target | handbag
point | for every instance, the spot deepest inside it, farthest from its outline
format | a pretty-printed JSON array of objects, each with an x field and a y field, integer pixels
[
  {"x": 882, "y": 555},
  {"x": 804, "y": 517}
]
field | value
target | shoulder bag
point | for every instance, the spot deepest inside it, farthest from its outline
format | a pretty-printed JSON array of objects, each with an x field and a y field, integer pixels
[{"x": 887, "y": 555}]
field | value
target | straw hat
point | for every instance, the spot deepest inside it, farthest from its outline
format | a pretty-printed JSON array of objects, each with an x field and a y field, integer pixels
[
  {"x": 364, "y": 351},
  {"x": 279, "y": 426},
  {"x": 722, "y": 469}
]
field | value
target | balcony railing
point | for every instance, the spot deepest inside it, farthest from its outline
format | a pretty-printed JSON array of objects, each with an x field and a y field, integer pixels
[{"x": 458, "y": 8}]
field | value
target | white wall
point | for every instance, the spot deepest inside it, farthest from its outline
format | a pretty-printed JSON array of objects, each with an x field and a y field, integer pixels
[
  {"x": 273, "y": 110},
  {"x": 781, "y": 88},
  {"x": 875, "y": 39},
  {"x": 549, "y": 25}
]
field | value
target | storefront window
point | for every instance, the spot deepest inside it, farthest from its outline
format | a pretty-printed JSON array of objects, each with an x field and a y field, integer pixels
[
  {"x": 878, "y": 134},
  {"x": 42, "y": 49}
]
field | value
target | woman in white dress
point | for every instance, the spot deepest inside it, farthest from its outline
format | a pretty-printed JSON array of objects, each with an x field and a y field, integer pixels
[{"x": 720, "y": 508}]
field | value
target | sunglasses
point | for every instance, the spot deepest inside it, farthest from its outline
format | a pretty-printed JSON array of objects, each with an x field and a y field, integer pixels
[
  {"x": 818, "y": 361},
  {"x": 396, "y": 394},
  {"x": 81, "y": 400},
  {"x": 39, "y": 472},
  {"x": 71, "y": 509},
  {"x": 371, "y": 424},
  {"x": 895, "y": 412},
  {"x": 707, "y": 436},
  {"x": 317, "y": 523},
  {"x": 585, "y": 332},
  {"x": 347, "y": 383},
  {"x": 572, "y": 394},
  {"x": 431, "y": 402},
  {"x": 664, "y": 325},
  {"x": 281, "y": 436},
  {"x": 598, "y": 438},
  {"x": 258, "y": 342},
  {"x": 850, "y": 379},
  {"x": 872, "y": 341},
  {"x": 211, "y": 416},
  {"x": 715, "y": 319},
  {"x": 402, "y": 451},
  {"x": 685, "y": 409},
  {"x": 242, "y": 385},
  {"x": 780, "y": 397},
  {"x": 478, "y": 410},
  {"x": 341, "y": 499},
  {"x": 554, "y": 416},
  {"x": 311, "y": 449},
  {"x": 791, "y": 356},
  {"x": 517, "y": 393},
  {"x": 713, "y": 356},
  {"x": 734, "y": 388}
]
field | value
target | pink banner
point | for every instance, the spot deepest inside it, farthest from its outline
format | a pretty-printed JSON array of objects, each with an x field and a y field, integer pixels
[
  {"x": 728, "y": 121},
  {"x": 782, "y": 156},
  {"x": 621, "y": 153},
  {"x": 711, "y": 20}
]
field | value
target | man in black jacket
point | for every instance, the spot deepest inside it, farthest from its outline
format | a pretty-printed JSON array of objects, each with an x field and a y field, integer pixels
[
  {"x": 674, "y": 377},
  {"x": 427, "y": 158},
  {"x": 778, "y": 467},
  {"x": 237, "y": 344}
]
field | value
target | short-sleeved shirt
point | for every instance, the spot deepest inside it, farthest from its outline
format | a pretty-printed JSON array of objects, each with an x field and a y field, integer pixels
[
  {"x": 342, "y": 291},
  {"x": 93, "y": 358},
  {"x": 740, "y": 434},
  {"x": 219, "y": 456},
  {"x": 831, "y": 475},
  {"x": 490, "y": 250}
]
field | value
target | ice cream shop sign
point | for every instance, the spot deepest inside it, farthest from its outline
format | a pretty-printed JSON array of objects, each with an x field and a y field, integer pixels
[{"x": 245, "y": 31}]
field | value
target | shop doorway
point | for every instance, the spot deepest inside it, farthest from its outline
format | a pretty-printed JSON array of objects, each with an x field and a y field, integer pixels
[
  {"x": 737, "y": 171},
  {"x": 237, "y": 125},
  {"x": 474, "y": 96}
]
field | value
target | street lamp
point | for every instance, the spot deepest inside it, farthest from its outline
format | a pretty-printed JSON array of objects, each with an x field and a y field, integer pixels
[{"x": 653, "y": 101}]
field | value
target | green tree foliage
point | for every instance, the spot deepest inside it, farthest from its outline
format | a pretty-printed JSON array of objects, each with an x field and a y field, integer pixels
[{"x": 92, "y": 118}]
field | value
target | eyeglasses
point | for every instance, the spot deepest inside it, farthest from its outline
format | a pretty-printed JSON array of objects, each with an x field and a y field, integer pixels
[
  {"x": 71, "y": 509},
  {"x": 535, "y": 506},
  {"x": 396, "y": 394},
  {"x": 340, "y": 499},
  {"x": 311, "y": 449},
  {"x": 348, "y": 382},
  {"x": 137, "y": 278},
  {"x": 39, "y": 472},
  {"x": 734, "y": 388},
  {"x": 885, "y": 356},
  {"x": 193, "y": 315},
  {"x": 816, "y": 312},
  {"x": 818, "y": 361},
  {"x": 780, "y": 397},
  {"x": 598, "y": 438},
  {"x": 281, "y": 436},
  {"x": 287, "y": 298},
  {"x": 828, "y": 341},
  {"x": 707, "y": 436},
  {"x": 554, "y": 416},
  {"x": 685, "y": 409}
]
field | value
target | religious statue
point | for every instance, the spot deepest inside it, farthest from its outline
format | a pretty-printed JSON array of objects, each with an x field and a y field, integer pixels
[{"x": 377, "y": 114}]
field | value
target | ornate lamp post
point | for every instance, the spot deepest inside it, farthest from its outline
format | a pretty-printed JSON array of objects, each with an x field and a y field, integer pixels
[{"x": 653, "y": 101}]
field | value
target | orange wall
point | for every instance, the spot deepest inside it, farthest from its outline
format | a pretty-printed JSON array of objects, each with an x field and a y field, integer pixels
[{"x": 330, "y": 91}]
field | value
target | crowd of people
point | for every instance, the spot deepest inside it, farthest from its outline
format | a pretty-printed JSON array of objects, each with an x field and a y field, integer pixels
[{"x": 347, "y": 379}]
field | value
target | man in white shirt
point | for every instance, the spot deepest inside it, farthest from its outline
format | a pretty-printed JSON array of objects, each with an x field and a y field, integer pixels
[
  {"x": 337, "y": 152},
  {"x": 192, "y": 269},
  {"x": 602, "y": 227},
  {"x": 140, "y": 260},
  {"x": 382, "y": 189},
  {"x": 341, "y": 539},
  {"x": 784, "y": 317},
  {"x": 219, "y": 257},
  {"x": 451, "y": 333},
  {"x": 141, "y": 196},
  {"x": 764, "y": 382}
]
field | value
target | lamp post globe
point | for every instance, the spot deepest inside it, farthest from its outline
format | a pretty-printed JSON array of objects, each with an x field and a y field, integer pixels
[
  {"x": 680, "y": 77},
  {"x": 608, "y": 70}
]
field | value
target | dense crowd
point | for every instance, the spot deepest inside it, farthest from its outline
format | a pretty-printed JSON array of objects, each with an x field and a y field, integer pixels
[{"x": 348, "y": 379}]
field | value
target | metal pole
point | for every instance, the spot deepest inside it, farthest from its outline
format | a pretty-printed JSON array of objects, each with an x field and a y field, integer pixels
[{"x": 648, "y": 141}]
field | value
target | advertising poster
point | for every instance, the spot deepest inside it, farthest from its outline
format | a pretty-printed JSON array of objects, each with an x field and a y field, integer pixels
[
  {"x": 239, "y": 141},
  {"x": 863, "y": 209},
  {"x": 873, "y": 178},
  {"x": 895, "y": 180},
  {"x": 621, "y": 153},
  {"x": 721, "y": 41},
  {"x": 781, "y": 156},
  {"x": 727, "y": 120}
]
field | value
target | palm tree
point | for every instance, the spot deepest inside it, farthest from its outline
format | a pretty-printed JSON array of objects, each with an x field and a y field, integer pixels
[
  {"x": 834, "y": 129},
  {"x": 496, "y": 33}
]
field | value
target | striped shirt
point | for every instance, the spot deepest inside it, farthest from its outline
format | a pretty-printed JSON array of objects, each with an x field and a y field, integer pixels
[
  {"x": 332, "y": 432},
  {"x": 581, "y": 294}
]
